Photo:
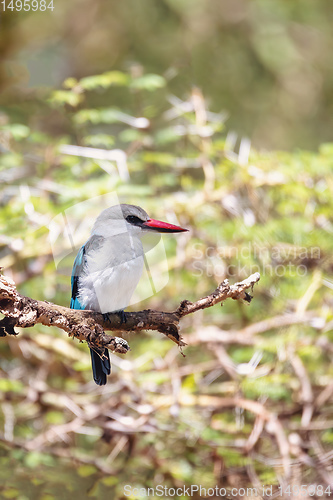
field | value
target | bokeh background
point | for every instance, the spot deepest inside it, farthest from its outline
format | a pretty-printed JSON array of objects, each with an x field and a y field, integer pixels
[{"x": 216, "y": 115}]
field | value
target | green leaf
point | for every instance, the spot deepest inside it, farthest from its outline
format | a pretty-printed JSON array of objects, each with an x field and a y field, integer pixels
[
  {"x": 106, "y": 115},
  {"x": 17, "y": 130},
  {"x": 55, "y": 417},
  {"x": 35, "y": 458},
  {"x": 148, "y": 82},
  {"x": 110, "y": 480},
  {"x": 270, "y": 386},
  {"x": 69, "y": 83},
  {"x": 327, "y": 436},
  {"x": 8, "y": 385},
  {"x": 86, "y": 470},
  {"x": 167, "y": 135},
  {"x": 104, "y": 80},
  {"x": 62, "y": 97},
  {"x": 99, "y": 140},
  {"x": 10, "y": 493}
]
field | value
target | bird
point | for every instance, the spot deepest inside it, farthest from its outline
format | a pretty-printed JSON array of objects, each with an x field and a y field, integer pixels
[{"x": 108, "y": 267}]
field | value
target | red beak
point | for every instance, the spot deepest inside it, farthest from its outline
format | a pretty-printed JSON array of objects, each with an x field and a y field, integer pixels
[{"x": 162, "y": 227}]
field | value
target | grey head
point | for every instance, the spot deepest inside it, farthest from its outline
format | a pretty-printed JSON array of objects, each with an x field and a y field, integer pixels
[
  {"x": 117, "y": 219},
  {"x": 129, "y": 218}
]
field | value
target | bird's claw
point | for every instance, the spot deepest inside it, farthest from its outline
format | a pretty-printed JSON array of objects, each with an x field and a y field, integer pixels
[
  {"x": 121, "y": 314},
  {"x": 106, "y": 317}
]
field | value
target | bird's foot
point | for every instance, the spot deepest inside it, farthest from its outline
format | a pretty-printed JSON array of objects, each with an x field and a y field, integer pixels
[
  {"x": 106, "y": 317},
  {"x": 121, "y": 315}
]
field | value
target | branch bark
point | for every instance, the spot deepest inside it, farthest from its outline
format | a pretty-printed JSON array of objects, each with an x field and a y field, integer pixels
[{"x": 89, "y": 326}]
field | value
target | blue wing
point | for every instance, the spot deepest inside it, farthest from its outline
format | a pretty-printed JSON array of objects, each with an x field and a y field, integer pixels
[
  {"x": 76, "y": 273},
  {"x": 100, "y": 359}
]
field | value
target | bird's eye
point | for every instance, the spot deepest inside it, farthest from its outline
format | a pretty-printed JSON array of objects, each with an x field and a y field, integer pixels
[{"x": 133, "y": 219}]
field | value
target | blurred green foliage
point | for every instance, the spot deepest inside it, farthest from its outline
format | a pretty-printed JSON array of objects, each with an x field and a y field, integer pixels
[
  {"x": 162, "y": 418},
  {"x": 268, "y": 64},
  {"x": 247, "y": 211}
]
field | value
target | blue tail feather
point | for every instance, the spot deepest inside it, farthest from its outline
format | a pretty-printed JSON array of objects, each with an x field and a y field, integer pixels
[{"x": 100, "y": 367}]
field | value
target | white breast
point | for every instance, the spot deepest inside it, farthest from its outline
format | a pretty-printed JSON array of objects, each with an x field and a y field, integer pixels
[{"x": 111, "y": 275}]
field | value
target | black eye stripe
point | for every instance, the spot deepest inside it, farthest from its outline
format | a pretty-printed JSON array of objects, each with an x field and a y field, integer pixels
[{"x": 133, "y": 219}]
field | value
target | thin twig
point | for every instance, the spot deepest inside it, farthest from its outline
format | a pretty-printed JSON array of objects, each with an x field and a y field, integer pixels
[{"x": 306, "y": 388}]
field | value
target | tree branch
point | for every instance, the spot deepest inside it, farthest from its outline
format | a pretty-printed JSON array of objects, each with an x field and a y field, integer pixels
[{"x": 86, "y": 325}]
